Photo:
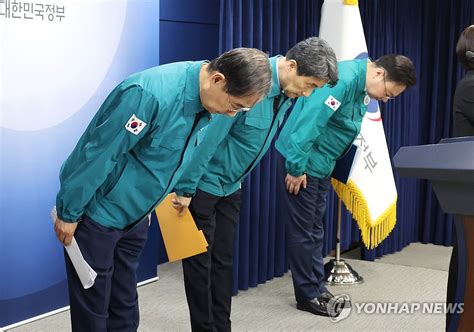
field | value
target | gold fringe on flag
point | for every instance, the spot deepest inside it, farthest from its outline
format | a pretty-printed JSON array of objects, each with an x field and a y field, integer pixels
[
  {"x": 351, "y": 2},
  {"x": 373, "y": 231}
]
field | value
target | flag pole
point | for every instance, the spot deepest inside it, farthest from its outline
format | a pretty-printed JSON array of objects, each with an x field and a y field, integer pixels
[
  {"x": 337, "y": 271},
  {"x": 338, "y": 239}
]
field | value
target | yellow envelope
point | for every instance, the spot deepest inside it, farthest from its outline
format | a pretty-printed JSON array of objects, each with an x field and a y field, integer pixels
[{"x": 181, "y": 237}]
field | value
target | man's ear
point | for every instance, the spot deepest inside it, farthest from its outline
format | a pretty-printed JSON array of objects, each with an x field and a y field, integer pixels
[
  {"x": 379, "y": 72},
  {"x": 292, "y": 65},
  {"x": 218, "y": 78}
]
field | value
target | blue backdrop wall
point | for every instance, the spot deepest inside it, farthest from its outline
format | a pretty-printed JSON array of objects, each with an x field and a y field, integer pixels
[
  {"x": 189, "y": 30},
  {"x": 46, "y": 102}
]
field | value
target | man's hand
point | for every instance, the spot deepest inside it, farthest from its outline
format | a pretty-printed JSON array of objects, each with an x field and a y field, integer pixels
[
  {"x": 64, "y": 231},
  {"x": 181, "y": 203},
  {"x": 293, "y": 183}
]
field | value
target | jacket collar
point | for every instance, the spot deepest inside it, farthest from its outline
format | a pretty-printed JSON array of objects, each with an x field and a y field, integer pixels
[
  {"x": 361, "y": 74},
  {"x": 276, "y": 88},
  {"x": 192, "y": 99}
]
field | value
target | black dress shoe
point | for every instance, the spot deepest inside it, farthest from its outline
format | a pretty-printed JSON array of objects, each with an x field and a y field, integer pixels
[{"x": 313, "y": 306}]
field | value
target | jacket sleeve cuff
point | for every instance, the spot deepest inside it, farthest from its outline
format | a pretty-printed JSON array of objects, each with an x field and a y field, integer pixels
[
  {"x": 293, "y": 170},
  {"x": 295, "y": 173},
  {"x": 69, "y": 220}
]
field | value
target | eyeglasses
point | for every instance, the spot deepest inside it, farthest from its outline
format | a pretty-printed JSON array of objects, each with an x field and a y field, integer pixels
[
  {"x": 385, "y": 86},
  {"x": 236, "y": 110}
]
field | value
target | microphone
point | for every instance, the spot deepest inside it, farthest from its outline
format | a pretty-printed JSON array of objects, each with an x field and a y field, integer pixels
[{"x": 470, "y": 55}]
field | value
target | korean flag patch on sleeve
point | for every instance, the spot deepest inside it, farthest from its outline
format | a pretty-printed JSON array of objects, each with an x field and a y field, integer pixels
[
  {"x": 333, "y": 103},
  {"x": 135, "y": 125}
]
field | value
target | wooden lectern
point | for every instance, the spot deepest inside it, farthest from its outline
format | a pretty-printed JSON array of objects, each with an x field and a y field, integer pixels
[{"x": 449, "y": 166}]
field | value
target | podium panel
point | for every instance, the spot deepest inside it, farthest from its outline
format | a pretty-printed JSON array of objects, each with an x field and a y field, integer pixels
[{"x": 449, "y": 166}]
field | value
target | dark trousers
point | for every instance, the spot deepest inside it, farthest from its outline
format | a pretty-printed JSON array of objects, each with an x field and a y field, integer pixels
[
  {"x": 111, "y": 304},
  {"x": 208, "y": 276},
  {"x": 304, "y": 237}
]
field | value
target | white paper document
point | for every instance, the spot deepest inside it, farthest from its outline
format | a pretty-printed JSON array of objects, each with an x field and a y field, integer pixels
[{"x": 86, "y": 274}]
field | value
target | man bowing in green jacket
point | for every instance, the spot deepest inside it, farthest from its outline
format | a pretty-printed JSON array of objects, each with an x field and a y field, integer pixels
[
  {"x": 216, "y": 174},
  {"x": 128, "y": 160},
  {"x": 318, "y": 132}
]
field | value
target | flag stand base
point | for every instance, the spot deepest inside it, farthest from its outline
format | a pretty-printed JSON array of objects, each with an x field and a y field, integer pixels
[{"x": 337, "y": 272}]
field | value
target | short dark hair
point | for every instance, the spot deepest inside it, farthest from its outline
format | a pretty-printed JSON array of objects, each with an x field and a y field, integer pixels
[
  {"x": 247, "y": 71},
  {"x": 314, "y": 57},
  {"x": 465, "y": 44},
  {"x": 398, "y": 68}
]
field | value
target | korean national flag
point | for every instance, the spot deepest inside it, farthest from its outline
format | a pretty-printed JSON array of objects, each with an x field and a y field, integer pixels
[
  {"x": 135, "y": 125},
  {"x": 369, "y": 193}
]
